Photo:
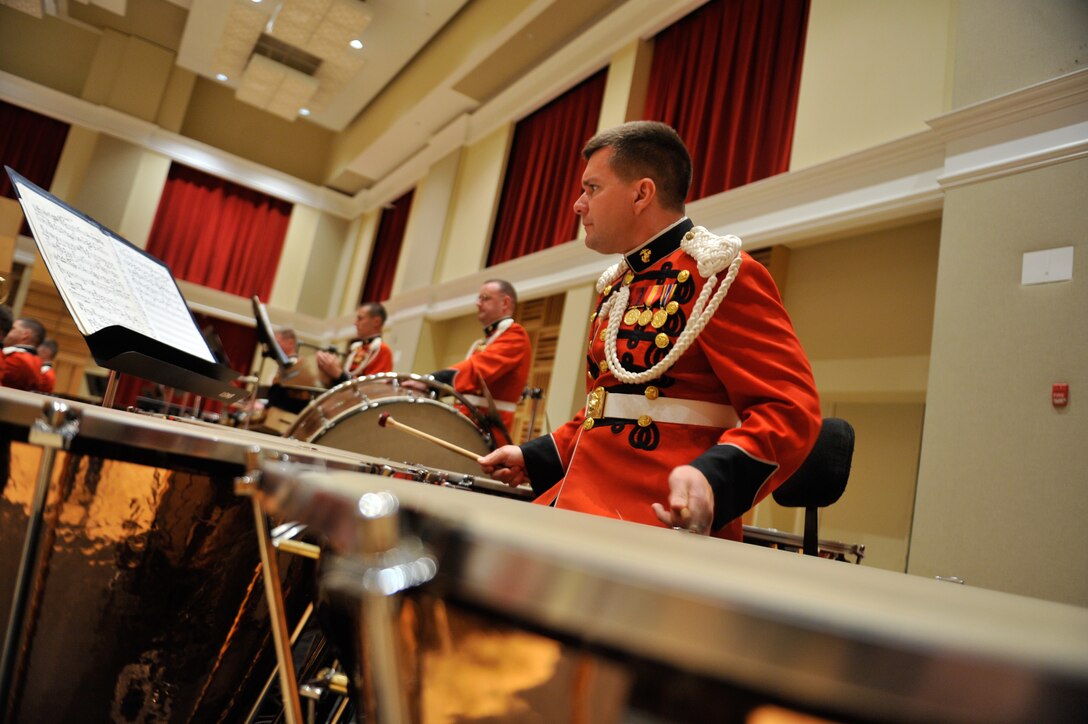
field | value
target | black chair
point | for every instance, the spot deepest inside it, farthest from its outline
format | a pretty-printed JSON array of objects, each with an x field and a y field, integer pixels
[{"x": 821, "y": 479}]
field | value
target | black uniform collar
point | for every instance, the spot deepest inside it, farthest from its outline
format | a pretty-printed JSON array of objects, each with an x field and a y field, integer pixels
[
  {"x": 490, "y": 329},
  {"x": 659, "y": 247}
]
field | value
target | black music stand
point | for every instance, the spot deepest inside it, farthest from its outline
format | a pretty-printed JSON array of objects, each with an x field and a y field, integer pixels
[{"x": 124, "y": 301}]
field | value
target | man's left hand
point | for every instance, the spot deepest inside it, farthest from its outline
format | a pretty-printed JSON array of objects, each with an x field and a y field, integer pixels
[{"x": 691, "y": 501}]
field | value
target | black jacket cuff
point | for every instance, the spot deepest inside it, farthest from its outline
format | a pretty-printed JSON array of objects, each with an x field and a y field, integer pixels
[
  {"x": 735, "y": 477},
  {"x": 542, "y": 463}
]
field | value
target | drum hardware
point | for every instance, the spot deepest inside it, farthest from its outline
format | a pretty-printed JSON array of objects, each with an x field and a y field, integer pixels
[
  {"x": 370, "y": 564},
  {"x": 277, "y": 612},
  {"x": 385, "y": 419},
  {"x": 53, "y": 431}
]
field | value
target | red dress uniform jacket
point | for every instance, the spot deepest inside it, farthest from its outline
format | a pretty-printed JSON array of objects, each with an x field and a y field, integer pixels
[
  {"x": 370, "y": 357},
  {"x": 502, "y": 359},
  {"x": 22, "y": 368},
  {"x": 745, "y": 378},
  {"x": 48, "y": 378}
]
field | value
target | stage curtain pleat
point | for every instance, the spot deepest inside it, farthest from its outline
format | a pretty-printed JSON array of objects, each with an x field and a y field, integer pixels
[
  {"x": 387, "y": 245},
  {"x": 218, "y": 234},
  {"x": 726, "y": 77},
  {"x": 543, "y": 173},
  {"x": 31, "y": 144}
]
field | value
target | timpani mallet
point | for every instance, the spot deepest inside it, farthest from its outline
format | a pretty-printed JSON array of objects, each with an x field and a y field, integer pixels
[{"x": 386, "y": 420}]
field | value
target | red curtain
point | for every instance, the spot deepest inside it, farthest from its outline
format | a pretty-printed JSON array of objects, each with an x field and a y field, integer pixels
[
  {"x": 543, "y": 173},
  {"x": 726, "y": 77},
  {"x": 387, "y": 243},
  {"x": 219, "y": 234},
  {"x": 238, "y": 340},
  {"x": 31, "y": 144}
]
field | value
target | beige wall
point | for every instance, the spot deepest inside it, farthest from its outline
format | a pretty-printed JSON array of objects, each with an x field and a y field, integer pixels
[
  {"x": 326, "y": 267},
  {"x": 476, "y": 198},
  {"x": 1005, "y": 45},
  {"x": 1001, "y": 494},
  {"x": 873, "y": 72}
]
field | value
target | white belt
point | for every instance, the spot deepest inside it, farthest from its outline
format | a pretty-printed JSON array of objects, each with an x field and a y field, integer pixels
[
  {"x": 499, "y": 405},
  {"x": 663, "y": 409}
]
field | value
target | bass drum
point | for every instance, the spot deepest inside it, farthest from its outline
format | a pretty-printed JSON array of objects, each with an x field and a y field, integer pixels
[{"x": 347, "y": 416}]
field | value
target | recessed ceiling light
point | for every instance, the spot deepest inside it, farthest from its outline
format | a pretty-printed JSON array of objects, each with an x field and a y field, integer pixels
[
  {"x": 304, "y": 111},
  {"x": 258, "y": 2},
  {"x": 356, "y": 43},
  {"x": 221, "y": 77}
]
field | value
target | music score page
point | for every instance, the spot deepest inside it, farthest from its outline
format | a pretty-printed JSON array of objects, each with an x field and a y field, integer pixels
[{"x": 106, "y": 282}]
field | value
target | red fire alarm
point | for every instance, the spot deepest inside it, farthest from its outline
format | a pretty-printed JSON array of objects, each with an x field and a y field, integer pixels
[{"x": 1059, "y": 394}]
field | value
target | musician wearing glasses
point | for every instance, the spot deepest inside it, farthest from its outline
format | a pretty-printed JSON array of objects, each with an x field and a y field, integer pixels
[
  {"x": 493, "y": 375},
  {"x": 700, "y": 399}
]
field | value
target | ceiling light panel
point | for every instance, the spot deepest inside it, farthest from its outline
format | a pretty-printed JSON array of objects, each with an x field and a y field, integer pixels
[
  {"x": 244, "y": 25},
  {"x": 30, "y": 7}
]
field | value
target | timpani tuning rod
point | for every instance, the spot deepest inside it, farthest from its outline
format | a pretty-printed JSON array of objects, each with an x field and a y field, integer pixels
[{"x": 386, "y": 420}]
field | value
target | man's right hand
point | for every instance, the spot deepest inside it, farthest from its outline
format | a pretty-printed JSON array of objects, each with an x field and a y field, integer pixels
[
  {"x": 415, "y": 385},
  {"x": 507, "y": 464}
]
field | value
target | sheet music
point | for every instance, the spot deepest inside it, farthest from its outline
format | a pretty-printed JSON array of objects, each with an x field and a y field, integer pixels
[{"x": 106, "y": 282}]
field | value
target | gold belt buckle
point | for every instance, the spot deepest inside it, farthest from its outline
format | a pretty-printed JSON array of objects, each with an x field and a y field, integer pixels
[{"x": 595, "y": 403}]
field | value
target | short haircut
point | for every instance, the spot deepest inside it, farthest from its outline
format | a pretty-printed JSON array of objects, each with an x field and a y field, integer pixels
[
  {"x": 7, "y": 318},
  {"x": 506, "y": 289},
  {"x": 37, "y": 331},
  {"x": 374, "y": 309},
  {"x": 648, "y": 149},
  {"x": 287, "y": 333},
  {"x": 51, "y": 345}
]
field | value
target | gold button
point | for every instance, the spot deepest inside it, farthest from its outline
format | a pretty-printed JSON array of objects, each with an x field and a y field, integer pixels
[
  {"x": 683, "y": 275},
  {"x": 587, "y": 424},
  {"x": 628, "y": 278},
  {"x": 592, "y": 316},
  {"x": 671, "y": 307},
  {"x": 603, "y": 332},
  {"x": 608, "y": 290},
  {"x": 690, "y": 235},
  {"x": 662, "y": 340},
  {"x": 644, "y": 421},
  {"x": 603, "y": 366},
  {"x": 652, "y": 392}
]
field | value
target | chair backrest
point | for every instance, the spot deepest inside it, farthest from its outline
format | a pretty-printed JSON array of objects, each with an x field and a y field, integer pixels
[{"x": 821, "y": 479}]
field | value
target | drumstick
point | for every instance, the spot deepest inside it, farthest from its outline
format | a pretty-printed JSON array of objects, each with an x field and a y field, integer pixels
[{"x": 386, "y": 420}]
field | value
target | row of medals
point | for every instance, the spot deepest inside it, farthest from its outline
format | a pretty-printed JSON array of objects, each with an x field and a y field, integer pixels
[{"x": 642, "y": 316}]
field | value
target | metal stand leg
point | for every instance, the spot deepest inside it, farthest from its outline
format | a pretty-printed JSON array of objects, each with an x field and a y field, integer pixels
[{"x": 278, "y": 615}]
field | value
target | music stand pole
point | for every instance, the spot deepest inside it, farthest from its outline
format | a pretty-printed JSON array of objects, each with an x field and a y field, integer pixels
[{"x": 111, "y": 388}]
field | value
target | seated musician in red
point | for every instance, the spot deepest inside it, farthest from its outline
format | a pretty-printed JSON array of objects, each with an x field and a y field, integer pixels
[
  {"x": 22, "y": 365},
  {"x": 499, "y": 361},
  {"x": 700, "y": 398},
  {"x": 47, "y": 351},
  {"x": 368, "y": 355}
]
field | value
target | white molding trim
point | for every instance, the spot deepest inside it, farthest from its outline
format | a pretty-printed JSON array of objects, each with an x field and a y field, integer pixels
[
  {"x": 145, "y": 134},
  {"x": 1031, "y": 128}
]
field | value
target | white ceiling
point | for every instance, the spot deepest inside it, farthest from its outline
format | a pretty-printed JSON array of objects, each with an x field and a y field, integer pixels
[{"x": 397, "y": 31}]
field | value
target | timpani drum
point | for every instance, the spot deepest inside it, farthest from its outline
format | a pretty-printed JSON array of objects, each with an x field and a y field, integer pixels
[
  {"x": 346, "y": 418},
  {"x": 130, "y": 584},
  {"x": 479, "y": 609}
]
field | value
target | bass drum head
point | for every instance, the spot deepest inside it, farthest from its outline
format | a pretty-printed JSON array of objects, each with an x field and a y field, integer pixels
[{"x": 357, "y": 430}]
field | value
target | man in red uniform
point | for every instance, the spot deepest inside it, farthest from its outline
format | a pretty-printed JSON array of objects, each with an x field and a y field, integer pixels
[
  {"x": 47, "y": 351},
  {"x": 368, "y": 355},
  {"x": 22, "y": 365},
  {"x": 499, "y": 361},
  {"x": 700, "y": 399}
]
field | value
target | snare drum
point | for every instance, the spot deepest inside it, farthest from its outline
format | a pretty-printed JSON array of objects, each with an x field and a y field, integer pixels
[{"x": 346, "y": 418}]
